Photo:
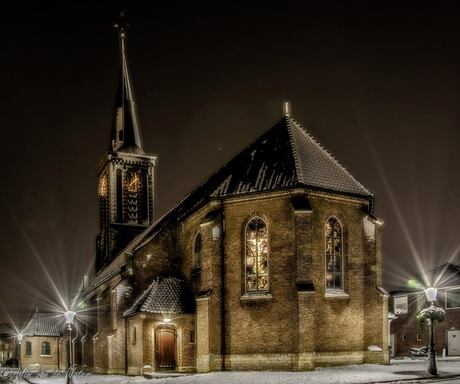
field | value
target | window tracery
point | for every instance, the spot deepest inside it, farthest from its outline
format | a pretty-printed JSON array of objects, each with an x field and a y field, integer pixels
[
  {"x": 334, "y": 254},
  {"x": 256, "y": 256}
]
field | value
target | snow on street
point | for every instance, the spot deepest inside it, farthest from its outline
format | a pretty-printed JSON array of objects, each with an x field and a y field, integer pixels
[{"x": 367, "y": 373}]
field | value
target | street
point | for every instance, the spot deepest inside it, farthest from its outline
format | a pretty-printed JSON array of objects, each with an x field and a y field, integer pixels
[{"x": 398, "y": 371}]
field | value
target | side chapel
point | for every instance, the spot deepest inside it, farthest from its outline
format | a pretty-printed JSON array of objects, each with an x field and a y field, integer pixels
[{"x": 274, "y": 262}]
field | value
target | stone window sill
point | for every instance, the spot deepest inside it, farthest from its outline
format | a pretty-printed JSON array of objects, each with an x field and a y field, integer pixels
[
  {"x": 46, "y": 356},
  {"x": 256, "y": 297},
  {"x": 336, "y": 294}
]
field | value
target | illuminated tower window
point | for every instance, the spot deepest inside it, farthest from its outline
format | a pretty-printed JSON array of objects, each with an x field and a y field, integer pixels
[
  {"x": 133, "y": 182},
  {"x": 256, "y": 257},
  {"x": 103, "y": 189},
  {"x": 334, "y": 255}
]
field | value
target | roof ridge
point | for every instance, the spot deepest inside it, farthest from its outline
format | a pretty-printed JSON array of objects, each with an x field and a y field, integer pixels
[
  {"x": 330, "y": 155},
  {"x": 295, "y": 152}
]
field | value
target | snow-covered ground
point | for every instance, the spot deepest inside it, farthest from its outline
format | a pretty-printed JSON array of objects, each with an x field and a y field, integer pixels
[{"x": 368, "y": 373}]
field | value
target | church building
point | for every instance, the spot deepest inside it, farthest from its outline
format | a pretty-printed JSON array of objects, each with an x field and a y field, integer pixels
[{"x": 272, "y": 263}]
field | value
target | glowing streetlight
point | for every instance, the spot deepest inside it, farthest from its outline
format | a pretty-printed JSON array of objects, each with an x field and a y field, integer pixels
[
  {"x": 431, "y": 294},
  {"x": 69, "y": 317},
  {"x": 19, "y": 337}
]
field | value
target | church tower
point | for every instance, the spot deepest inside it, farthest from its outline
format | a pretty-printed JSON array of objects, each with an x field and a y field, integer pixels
[{"x": 125, "y": 174}]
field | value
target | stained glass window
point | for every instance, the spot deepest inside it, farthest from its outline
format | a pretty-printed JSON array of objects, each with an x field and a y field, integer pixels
[
  {"x": 256, "y": 256},
  {"x": 334, "y": 255}
]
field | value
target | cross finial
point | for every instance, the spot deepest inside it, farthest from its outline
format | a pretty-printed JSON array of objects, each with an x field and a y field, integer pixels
[
  {"x": 122, "y": 26},
  {"x": 286, "y": 108}
]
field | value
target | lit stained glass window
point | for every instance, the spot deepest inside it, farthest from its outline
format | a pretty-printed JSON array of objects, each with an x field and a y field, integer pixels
[
  {"x": 256, "y": 256},
  {"x": 334, "y": 255}
]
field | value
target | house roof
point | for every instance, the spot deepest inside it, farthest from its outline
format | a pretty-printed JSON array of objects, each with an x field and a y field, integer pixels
[
  {"x": 444, "y": 276},
  {"x": 44, "y": 324},
  {"x": 164, "y": 295}
]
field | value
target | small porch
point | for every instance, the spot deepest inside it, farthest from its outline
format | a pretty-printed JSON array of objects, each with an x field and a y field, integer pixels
[{"x": 160, "y": 330}]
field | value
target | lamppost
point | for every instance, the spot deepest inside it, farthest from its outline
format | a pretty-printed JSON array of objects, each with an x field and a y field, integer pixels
[
  {"x": 69, "y": 316},
  {"x": 20, "y": 337},
  {"x": 431, "y": 294}
]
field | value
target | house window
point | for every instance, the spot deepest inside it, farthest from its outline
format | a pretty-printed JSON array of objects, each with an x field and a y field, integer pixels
[
  {"x": 403, "y": 337},
  {"x": 197, "y": 250},
  {"x": 400, "y": 305},
  {"x": 28, "y": 348},
  {"x": 418, "y": 337},
  {"x": 453, "y": 298},
  {"x": 256, "y": 256},
  {"x": 46, "y": 349},
  {"x": 192, "y": 337},
  {"x": 334, "y": 255}
]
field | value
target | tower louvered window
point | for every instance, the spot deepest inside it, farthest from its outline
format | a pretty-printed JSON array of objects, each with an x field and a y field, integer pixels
[
  {"x": 334, "y": 254},
  {"x": 256, "y": 256},
  {"x": 132, "y": 186}
]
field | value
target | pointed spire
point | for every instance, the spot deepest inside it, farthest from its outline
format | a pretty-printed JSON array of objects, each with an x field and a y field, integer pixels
[{"x": 125, "y": 127}]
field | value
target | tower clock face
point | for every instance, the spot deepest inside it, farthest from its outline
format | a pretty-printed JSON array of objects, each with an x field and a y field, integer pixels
[
  {"x": 133, "y": 182},
  {"x": 103, "y": 186}
]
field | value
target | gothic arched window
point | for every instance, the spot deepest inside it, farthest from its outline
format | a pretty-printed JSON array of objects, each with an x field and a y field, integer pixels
[
  {"x": 197, "y": 250},
  {"x": 46, "y": 349},
  {"x": 256, "y": 256},
  {"x": 334, "y": 254}
]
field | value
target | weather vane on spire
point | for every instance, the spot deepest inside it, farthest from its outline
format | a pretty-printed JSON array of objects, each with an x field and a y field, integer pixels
[{"x": 122, "y": 25}]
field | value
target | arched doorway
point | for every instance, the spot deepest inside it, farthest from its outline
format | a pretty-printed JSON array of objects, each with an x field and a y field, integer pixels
[{"x": 165, "y": 347}]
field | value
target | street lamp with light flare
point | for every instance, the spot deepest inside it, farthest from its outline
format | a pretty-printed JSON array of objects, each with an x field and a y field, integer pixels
[
  {"x": 69, "y": 317},
  {"x": 19, "y": 337},
  {"x": 431, "y": 294}
]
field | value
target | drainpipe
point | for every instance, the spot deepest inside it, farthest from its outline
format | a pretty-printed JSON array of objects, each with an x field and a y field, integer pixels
[
  {"x": 58, "y": 355},
  {"x": 126, "y": 346},
  {"x": 222, "y": 271}
]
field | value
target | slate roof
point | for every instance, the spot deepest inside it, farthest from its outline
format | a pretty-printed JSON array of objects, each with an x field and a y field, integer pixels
[
  {"x": 165, "y": 295},
  {"x": 284, "y": 157},
  {"x": 44, "y": 324},
  {"x": 444, "y": 276}
]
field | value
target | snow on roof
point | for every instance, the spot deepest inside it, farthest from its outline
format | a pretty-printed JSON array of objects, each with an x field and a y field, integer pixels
[
  {"x": 44, "y": 324},
  {"x": 164, "y": 295}
]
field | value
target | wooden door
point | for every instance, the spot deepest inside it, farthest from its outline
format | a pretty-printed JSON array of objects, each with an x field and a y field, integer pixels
[
  {"x": 453, "y": 343},
  {"x": 165, "y": 348}
]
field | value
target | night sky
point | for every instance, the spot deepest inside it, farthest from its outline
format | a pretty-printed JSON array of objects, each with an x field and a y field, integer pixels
[{"x": 379, "y": 87}]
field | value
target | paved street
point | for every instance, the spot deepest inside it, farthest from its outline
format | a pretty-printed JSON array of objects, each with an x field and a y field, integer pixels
[{"x": 399, "y": 371}]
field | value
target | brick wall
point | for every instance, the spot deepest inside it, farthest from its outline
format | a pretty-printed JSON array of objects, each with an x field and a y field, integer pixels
[{"x": 36, "y": 360}]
